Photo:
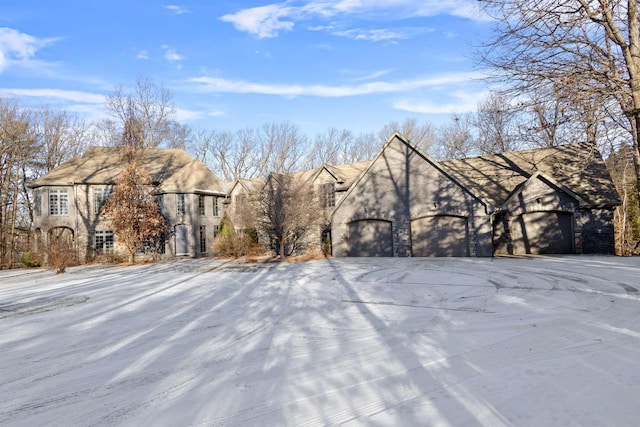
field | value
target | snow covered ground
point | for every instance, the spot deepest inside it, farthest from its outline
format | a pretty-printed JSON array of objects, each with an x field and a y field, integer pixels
[{"x": 442, "y": 342}]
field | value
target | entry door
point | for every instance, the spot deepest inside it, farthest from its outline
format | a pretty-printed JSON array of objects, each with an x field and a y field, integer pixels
[{"x": 182, "y": 239}]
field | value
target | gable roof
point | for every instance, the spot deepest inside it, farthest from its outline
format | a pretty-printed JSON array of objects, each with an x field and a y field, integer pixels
[
  {"x": 576, "y": 168},
  {"x": 173, "y": 169},
  {"x": 396, "y": 136}
]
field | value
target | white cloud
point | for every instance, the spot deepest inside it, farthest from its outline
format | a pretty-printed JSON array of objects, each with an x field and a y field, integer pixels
[
  {"x": 262, "y": 21},
  {"x": 54, "y": 94},
  {"x": 172, "y": 56},
  {"x": 178, "y": 10},
  {"x": 17, "y": 47},
  {"x": 220, "y": 85},
  {"x": 184, "y": 115},
  {"x": 462, "y": 102},
  {"x": 371, "y": 76},
  {"x": 267, "y": 21},
  {"x": 143, "y": 54}
]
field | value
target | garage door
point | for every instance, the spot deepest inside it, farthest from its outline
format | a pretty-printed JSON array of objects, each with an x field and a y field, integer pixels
[
  {"x": 543, "y": 233},
  {"x": 370, "y": 238},
  {"x": 441, "y": 235}
]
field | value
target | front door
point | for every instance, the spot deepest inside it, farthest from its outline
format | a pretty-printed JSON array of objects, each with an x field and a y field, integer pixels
[{"x": 182, "y": 240}]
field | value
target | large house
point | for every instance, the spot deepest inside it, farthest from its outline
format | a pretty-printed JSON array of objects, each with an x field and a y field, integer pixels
[
  {"x": 551, "y": 200},
  {"x": 402, "y": 203},
  {"x": 68, "y": 200}
]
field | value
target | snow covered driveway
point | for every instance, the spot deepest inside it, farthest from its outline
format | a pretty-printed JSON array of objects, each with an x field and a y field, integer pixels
[{"x": 442, "y": 342}]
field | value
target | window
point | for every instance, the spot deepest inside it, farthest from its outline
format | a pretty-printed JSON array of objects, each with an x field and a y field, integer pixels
[
  {"x": 216, "y": 228},
  {"x": 58, "y": 202},
  {"x": 100, "y": 196},
  {"x": 328, "y": 195},
  {"x": 326, "y": 235},
  {"x": 203, "y": 238},
  {"x": 104, "y": 242},
  {"x": 201, "y": 210},
  {"x": 160, "y": 202},
  {"x": 180, "y": 204},
  {"x": 37, "y": 203},
  {"x": 216, "y": 211},
  {"x": 241, "y": 201}
]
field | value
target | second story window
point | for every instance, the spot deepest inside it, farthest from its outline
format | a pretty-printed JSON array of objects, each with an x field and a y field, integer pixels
[
  {"x": 241, "y": 201},
  {"x": 328, "y": 195},
  {"x": 180, "y": 209},
  {"x": 37, "y": 203},
  {"x": 201, "y": 209},
  {"x": 59, "y": 201},
  {"x": 160, "y": 201},
  {"x": 216, "y": 209},
  {"x": 100, "y": 196}
]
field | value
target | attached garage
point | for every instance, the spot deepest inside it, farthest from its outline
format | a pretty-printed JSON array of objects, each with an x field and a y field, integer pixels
[
  {"x": 370, "y": 238},
  {"x": 543, "y": 233},
  {"x": 440, "y": 236}
]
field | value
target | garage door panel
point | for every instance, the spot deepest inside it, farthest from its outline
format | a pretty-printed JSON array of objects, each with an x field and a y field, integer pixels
[
  {"x": 370, "y": 238},
  {"x": 543, "y": 233},
  {"x": 440, "y": 236}
]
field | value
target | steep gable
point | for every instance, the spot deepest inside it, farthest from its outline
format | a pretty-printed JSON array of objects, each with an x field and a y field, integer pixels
[{"x": 577, "y": 167}]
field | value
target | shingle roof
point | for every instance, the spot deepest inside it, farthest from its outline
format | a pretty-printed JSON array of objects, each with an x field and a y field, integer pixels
[
  {"x": 578, "y": 167},
  {"x": 347, "y": 174},
  {"x": 173, "y": 169}
]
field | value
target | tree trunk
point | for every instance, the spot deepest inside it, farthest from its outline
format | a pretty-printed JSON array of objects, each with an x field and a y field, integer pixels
[{"x": 283, "y": 255}]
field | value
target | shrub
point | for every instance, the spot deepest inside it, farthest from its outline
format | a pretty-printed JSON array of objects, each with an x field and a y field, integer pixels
[
  {"x": 61, "y": 255},
  {"x": 30, "y": 259}
]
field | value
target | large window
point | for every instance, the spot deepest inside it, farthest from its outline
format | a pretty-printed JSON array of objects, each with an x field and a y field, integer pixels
[
  {"x": 59, "y": 201},
  {"x": 203, "y": 238},
  {"x": 160, "y": 202},
  {"x": 180, "y": 210},
  {"x": 201, "y": 209},
  {"x": 104, "y": 242},
  {"x": 37, "y": 203},
  {"x": 216, "y": 209},
  {"x": 328, "y": 195},
  {"x": 100, "y": 196}
]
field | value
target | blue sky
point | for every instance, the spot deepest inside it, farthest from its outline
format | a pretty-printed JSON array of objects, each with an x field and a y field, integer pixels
[{"x": 355, "y": 64}]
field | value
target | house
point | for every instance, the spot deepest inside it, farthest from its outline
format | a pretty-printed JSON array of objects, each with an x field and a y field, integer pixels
[
  {"x": 552, "y": 200},
  {"x": 328, "y": 183},
  {"x": 67, "y": 201}
]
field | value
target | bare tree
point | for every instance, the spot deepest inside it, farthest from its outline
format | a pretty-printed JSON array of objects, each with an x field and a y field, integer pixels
[
  {"x": 17, "y": 145},
  {"x": 285, "y": 212},
  {"x": 422, "y": 135},
  {"x": 494, "y": 121},
  {"x": 60, "y": 137},
  {"x": 152, "y": 106},
  {"x": 284, "y": 147},
  {"x": 584, "y": 50},
  {"x": 455, "y": 140},
  {"x": 328, "y": 147}
]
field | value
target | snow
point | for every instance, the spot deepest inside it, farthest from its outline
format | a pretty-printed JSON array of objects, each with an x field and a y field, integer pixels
[{"x": 551, "y": 341}]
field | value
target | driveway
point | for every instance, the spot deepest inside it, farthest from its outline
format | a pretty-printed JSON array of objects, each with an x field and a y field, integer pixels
[{"x": 360, "y": 341}]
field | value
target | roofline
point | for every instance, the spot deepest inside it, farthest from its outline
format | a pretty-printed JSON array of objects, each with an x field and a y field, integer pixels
[
  {"x": 581, "y": 202},
  {"x": 425, "y": 156}
]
